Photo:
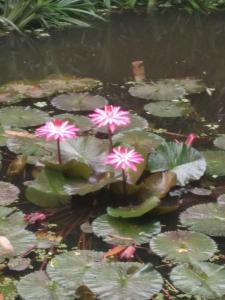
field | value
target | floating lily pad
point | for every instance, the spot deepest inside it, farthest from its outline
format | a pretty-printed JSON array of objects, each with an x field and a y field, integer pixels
[
  {"x": 219, "y": 142},
  {"x": 23, "y": 90},
  {"x": 136, "y": 123},
  {"x": 68, "y": 269},
  {"x": 215, "y": 162},
  {"x": 19, "y": 263},
  {"x": 206, "y": 218},
  {"x": 8, "y": 193},
  {"x": 183, "y": 246},
  {"x": 47, "y": 190},
  {"x": 191, "y": 85},
  {"x": 133, "y": 211},
  {"x": 159, "y": 91},
  {"x": 78, "y": 102},
  {"x": 125, "y": 232},
  {"x": 122, "y": 281},
  {"x": 169, "y": 109},
  {"x": 9, "y": 98},
  {"x": 82, "y": 122},
  {"x": 8, "y": 288},
  {"x": 18, "y": 116},
  {"x": 200, "y": 191},
  {"x": 186, "y": 162},
  {"x": 10, "y": 217},
  {"x": 203, "y": 279},
  {"x": 37, "y": 285}
]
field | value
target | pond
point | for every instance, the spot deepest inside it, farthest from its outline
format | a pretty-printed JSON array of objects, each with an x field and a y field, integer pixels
[{"x": 57, "y": 252}]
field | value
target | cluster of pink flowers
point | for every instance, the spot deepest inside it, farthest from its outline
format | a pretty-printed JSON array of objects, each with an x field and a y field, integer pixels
[{"x": 35, "y": 217}]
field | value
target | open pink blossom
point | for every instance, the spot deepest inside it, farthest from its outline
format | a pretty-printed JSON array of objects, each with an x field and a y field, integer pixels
[
  {"x": 57, "y": 129},
  {"x": 123, "y": 158},
  {"x": 190, "y": 139},
  {"x": 35, "y": 217},
  {"x": 128, "y": 253},
  {"x": 111, "y": 116}
]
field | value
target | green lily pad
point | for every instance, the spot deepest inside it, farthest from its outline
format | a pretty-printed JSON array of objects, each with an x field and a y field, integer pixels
[
  {"x": 191, "y": 85},
  {"x": 203, "y": 279},
  {"x": 78, "y": 102},
  {"x": 8, "y": 193},
  {"x": 11, "y": 217},
  {"x": 219, "y": 142},
  {"x": 136, "y": 123},
  {"x": 186, "y": 162},
  {"x": 206, "y": 218},
  {"x": 8, "y": 288},
  {"x": 215, "y": 162},
  {"x": 118, "y": 231},
  {"x": 183, "y": 246},
  {"x": 120, "y": 281},
  {"x": 169, "y": 109},
  {"x": 9, "y": 97},
  {"x": 23, "y": 90},
  {"x": 19, "y": 263},
  {"x": 37, "y": 285},
  {"x": 159, "y": 91},
  {"x": 18, "y": 116},
  {"x": 68, "y": 269},
  {"x": 47, "y": 190},
  {"x": 82, "y": 122},
  {"x": 133, "y": 211}
]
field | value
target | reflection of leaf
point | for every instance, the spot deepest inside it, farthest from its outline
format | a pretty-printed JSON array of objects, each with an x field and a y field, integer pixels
[
  {"x": 186, "y": 162},
  {"x": 47, "y": 190},
  {"x": 206, "y": 218},
  {"x": 183, "y": 246},
  {"x": 118, "y": 231},
  {"x": 123, "y": 281},
  {"x": 203, "y": 279}
]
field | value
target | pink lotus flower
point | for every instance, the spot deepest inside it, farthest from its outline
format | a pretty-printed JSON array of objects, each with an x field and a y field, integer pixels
[
  {"x": 111, "y": 116},
  {"x": 33, "y": 218},
  {"x": 128, "y": 253},
  {"x": 123, "y": 158},
  {"x": 57, "y": 129},
  {"x": 190, "y": 139}
]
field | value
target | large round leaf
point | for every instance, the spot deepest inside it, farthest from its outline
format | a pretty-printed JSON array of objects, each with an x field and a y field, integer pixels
[
  {"x": 38, "y": 286},
  {"x": 203, "y": 279},
  {"x": 191, "y": 85},
  {"x": 47, "y": 190},
  {"x": 9, "y": 97},
  {"x": 78, "y": 102},
  {"x": 11, "y": 217},
  {"x": 207, "y": 218},
  {"x": 8, "y": 193},
  {"x": 169, "y": 109},
  {"x": 67, "y": 269},
  {"x": 18, "y": 116},
  {"x": 219, "y": 142},
  {"x": 185, "y": 161},
  {"x": 123, "y": 281},
  {"x": 82, "y": 122},
  {"x": 215, "y": 162},
  {"x": 118, "y": 231},
  {"x": 183, "y": 246}
]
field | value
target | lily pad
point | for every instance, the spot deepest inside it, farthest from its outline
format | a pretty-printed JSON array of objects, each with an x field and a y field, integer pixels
[
  {"x": 8, "y": 193},
  {"x": 191, "y": 85},
  {"x": 82, "y": 122},
  {"x": 118, "y": 231},
  {"x": 215, "y": 162},
  {"x": 186, "y": 162},
  {"x": 18, "y": 116},
  {"x": 159, "y": 91},
  {"x": 169, "y": 109},
  {"x": 183, "y": 246},
  {"x": 120, "y": 281},
  {"x": 19, "y": 263},
  {"x": 23, "y": 90},
  {"x": 206, "y": 218},
  {"x": 219, "y": 142},
  {"x": 47, "y": 190},
  {"x": 133, "y": 211},
  {"x": 8, "y": 288},
  {"x": 203, "y": 279},
  {"x": 37, "y": 285},
  {"x": 11, "y": 217},
  {"x": 78, "y": 102},
  {"x": 9, "y": 97},
  {"x": 68, "y": 269}
]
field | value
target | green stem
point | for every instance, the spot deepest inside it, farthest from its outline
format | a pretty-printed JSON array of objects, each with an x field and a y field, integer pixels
[
  {"x": 124, "y": 183},
  {"x": 110, "y": 139},
  {"x": 59, "y": 152}
]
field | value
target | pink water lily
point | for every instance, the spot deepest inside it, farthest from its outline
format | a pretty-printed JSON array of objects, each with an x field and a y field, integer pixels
[
  {"x": 190, "y": 139},
  {"x": 35, "y": 217},
  {"x": 124, "y": 158},
  {"x": 128, "y": 253}
]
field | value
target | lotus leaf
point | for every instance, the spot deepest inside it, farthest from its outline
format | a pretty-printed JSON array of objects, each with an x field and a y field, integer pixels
[
  {"x": 191, "y": 85},
  {"x": 118, "y": 231},
  {"x": 203, "y": 279},
  {"x": 9, "y": 97},
  {"x": 219, "y": 142},
  {"x": 186, "y": 162},
  {"x": 169, "y": 109},
  {"x": 37, "y": 285},
  {"x": 67, "y": 269},
  {"x": 18, "y": 116},
  {"x": 19, "y": 263},
  {"x": 120, "y": 281},
  {"x": 78, "y": 102},
  {"x": 206, "y": 218},
  {"x": 82, "y": 122},
  {"x": 183, "y": 246},
  {"x": 11, "y": 217},
  {"x": 47, "y": 190},
  {"x": 8, "y": 193},
  {"x": 215, "y": 162}
]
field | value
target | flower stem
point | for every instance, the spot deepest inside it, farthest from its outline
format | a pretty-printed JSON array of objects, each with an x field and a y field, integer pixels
[
  {"x": 110, "y": 139},
  {"x": 59, "y": 152},
  {"x": 124, "y": 183}
]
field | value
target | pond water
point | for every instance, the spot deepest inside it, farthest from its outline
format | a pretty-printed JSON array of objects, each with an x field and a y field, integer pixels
[{"x": 171, "y": 46}]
